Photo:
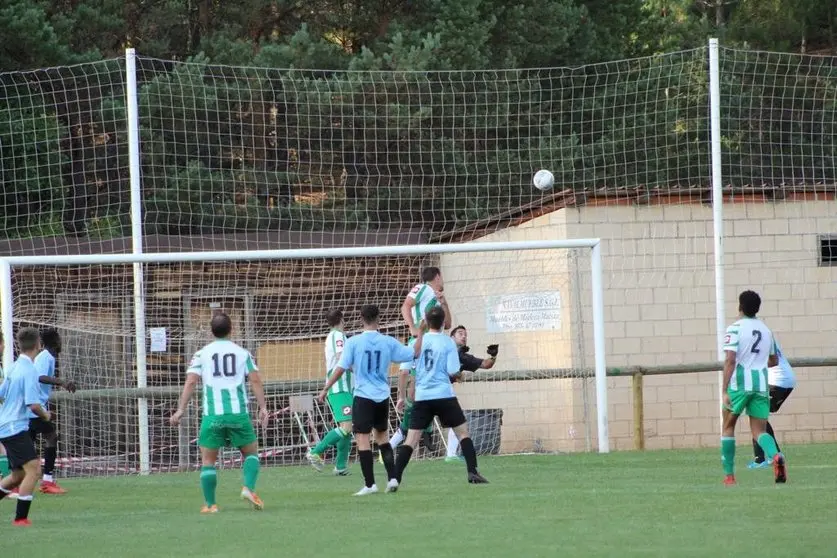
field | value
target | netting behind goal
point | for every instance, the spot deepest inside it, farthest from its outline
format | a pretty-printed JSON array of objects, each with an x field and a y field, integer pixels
[{"x": 535, "y": 398}]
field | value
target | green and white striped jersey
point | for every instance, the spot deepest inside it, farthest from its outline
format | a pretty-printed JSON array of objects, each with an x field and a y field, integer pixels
[
  {"x": 753, "y": 344},
  {"x": 223, "y": 367},
  {"x": 425, "y": 298},
  {"x": 333, "y": 349}
]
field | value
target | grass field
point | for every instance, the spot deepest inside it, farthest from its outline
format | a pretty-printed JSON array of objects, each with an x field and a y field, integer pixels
[{"x": 667, "y": 503}]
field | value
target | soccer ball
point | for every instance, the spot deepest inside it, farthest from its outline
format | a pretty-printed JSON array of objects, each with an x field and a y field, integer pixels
[{"x": 543, "y": 180}]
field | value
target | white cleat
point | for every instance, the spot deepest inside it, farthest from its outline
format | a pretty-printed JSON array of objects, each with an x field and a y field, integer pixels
[
  {"x": 315, "y": 460},
  {"x": 392, "y": 486},
  {"x": 367, "y": 490}
]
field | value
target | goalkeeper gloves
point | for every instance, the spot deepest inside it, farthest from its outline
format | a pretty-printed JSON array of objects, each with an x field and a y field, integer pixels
[{"x": 493, "y": 350}]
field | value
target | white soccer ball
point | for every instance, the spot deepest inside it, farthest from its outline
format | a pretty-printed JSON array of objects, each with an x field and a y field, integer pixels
[{"x": 543, "y": 180}]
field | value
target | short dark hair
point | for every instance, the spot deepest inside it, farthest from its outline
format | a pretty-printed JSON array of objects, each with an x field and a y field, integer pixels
[
  {"x": 435, "y": 317},
  {"x": 749, "y": 303},
  {"x": 457, "y": 328},
  {"x": 50, "y": 338},
  {"x": 221, "y": 325},
  {"x": 430, "y": 273},
  {"x": 369, "y": 313},
  {"x": 334, "y": 317},
  {"x": 27, "y": 339}
]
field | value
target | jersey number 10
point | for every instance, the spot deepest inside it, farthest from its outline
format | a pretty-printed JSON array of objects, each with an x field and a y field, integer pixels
[{"x": 224, "y": 364}]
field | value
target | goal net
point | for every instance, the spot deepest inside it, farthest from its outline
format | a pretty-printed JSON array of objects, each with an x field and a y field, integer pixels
[{"x": 537, "y": 304}]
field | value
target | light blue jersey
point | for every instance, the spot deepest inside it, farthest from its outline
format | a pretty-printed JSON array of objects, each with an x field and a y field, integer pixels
[
  {"x": 45, "y": 365},
  {"x": 438, "y": 361},
  {"x": 18, "y": 391},
  {"x": 370, "y": 355}
]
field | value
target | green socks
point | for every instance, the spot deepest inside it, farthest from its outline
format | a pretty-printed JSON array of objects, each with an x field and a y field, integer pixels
[
  {"x": 330, "y": 439},
  {"x": 209, "y": 481},
  {"x": 768, "y": 444},
  {"x": 728, "y": 455},
  {"x": 344, "y": 446},
  {"x": 4, "y": 466},
  {"x": 251, "y": 471}
]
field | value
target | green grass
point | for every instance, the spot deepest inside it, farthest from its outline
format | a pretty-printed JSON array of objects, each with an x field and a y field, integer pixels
[{"x": 667, "y": 503}]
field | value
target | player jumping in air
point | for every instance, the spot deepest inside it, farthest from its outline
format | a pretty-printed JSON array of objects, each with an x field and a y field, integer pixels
[
  {"x": 437, "y": 362},
  {"x": 780, "y": 382},
  {"x": 20, "y": 395},
  {"x": 224, "y": 368},
  {"x": 370, "y": 354},
  {"x": 750, "y": 350},
  {"x": 339, "y": 399},
  {"x": 419, "y": 300},
  {"x": 45, "y": 367}
]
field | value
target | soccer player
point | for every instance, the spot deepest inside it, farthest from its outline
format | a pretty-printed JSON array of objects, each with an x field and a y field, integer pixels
[
  {"x": 470, "y": 363},
  {"x": 780, "y": 382},
  {"x": 339, "y": 399},
  {"x": 424, "y": 296},
  {"x": 224, "y": 368},
  {"x": 370, "y": 355},
  {"x": 45, "y": 368},
  {"x": 750, "y": 350},
  {"x": 437, "y": 362},
  {"x": 20, "y": 395}
]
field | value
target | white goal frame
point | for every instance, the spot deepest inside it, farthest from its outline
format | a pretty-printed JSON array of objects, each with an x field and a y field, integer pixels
[{"x": 594, "y": 244}]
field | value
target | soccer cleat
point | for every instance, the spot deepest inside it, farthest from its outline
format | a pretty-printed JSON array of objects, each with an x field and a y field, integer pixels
[
  {"x": 476, "y": 478},
  {"x": 758, "y": 465},
  {"x": 209, "y": 509},
  {"x": 392, "y": 486},
  {"x": 253, "y": 498},
  {"x": 729, "y": 480},
  {"x": 367, "y": 490},
  {"x": 51, "y": 487},
  {"x": 454, "y": 459},
  {"x": 341, "y": 472},
  {"x": 315, "y": 460},
  {"x": 22, "y": 522},
  {"x": 14, "y": 494},
  {"x": 780, "y": 473}
]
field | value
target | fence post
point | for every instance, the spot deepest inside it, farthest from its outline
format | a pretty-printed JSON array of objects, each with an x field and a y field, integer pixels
[{"x": 639, "y": 412}]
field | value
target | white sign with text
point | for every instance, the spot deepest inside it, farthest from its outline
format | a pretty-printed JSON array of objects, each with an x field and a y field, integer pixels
[{"x": 524, "y": 312}]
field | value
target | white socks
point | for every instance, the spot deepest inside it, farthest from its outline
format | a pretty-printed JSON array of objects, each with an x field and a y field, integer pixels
[
  {"x": 453, "y": 443},
  {"x": 396, "y": 439}
]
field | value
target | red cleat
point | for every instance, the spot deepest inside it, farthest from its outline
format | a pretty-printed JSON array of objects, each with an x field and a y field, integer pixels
[
  {"x": 780, "y": 473},
  {"x": 51, "y": 487},
  {"x": 729, "y": 480},
  {"x": 22, "y": 523}
]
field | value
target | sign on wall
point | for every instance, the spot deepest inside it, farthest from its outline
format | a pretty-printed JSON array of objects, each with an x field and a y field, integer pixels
[{"x": 523, "y": 312}]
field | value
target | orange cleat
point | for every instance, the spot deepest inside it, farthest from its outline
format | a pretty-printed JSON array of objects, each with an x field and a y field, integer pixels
[
  {"x": 209, "y": 509},
  {"x": 253, "y": 498},
  {"x": 22, "y": 523},
  {"x": 729, "y": 480},
  {"x": 780, "y": 472},
  {"x": 51, "y": 487}
]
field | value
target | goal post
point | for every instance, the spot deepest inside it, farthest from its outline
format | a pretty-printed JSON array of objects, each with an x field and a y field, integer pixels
[{"x": 541, "y": 300}]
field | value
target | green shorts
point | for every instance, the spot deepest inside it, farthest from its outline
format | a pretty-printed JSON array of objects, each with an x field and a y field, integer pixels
[
  {"x": 218, "y": 431},
  {"x": 754, "y": 403},
  {"x": 405, "y": 420},
  {"x": 341, "y": 406}
]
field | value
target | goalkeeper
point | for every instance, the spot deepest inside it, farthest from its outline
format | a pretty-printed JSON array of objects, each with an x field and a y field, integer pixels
[{"x": 469, "y": 363}]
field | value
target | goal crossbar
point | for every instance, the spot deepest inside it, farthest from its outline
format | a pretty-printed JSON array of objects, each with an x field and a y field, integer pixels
[{"x": 7, "y": 310}]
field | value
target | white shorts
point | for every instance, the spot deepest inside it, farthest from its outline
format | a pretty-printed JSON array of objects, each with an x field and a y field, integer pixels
[{"x": 409, "y": 365}]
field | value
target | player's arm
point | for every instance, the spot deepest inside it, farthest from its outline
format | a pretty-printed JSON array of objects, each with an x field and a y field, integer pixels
[
  {"x": 346, "y": 361},
  {"x": 440, "y": 296},
  {"x": 49, "y": 380},
  {"x": 407, "y": 314},
  {"x": 257, "y": 386},
  {"x": 403, "y": 381},
  {"x": 773, "y": 359},
  {"x": 193, "y": 375},
  {"x": 730, "y": 352}
]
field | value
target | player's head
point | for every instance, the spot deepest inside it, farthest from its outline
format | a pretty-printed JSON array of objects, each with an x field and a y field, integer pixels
[
  {"x": 51, "y": 340},
  {"x": 29, "y": 340},
  {"x": 433, "y": 277},
  {"x": 435, "y": 318},
  {"x": 369, "y": 313},
  {"x": 460, "y": 335},
  {"x": 749, "y": 303},
  {"x": 221, "y": 325},
  {"x": 334, "y": 318}
]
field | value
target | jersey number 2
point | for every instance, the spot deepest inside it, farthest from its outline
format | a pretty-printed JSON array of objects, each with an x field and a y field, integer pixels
[
  {"x": 757, "y": 335},
  {"x": 224, "y": 364}
]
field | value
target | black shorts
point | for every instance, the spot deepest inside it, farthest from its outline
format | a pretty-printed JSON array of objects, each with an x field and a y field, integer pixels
[
  {"x": 778, "y": 396},
  {"x": 40, "y": 426},
  {"x": 448, "y": 410},
  {"x": 19, "y": 449},
  {"x": 368, "y": 415}
]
